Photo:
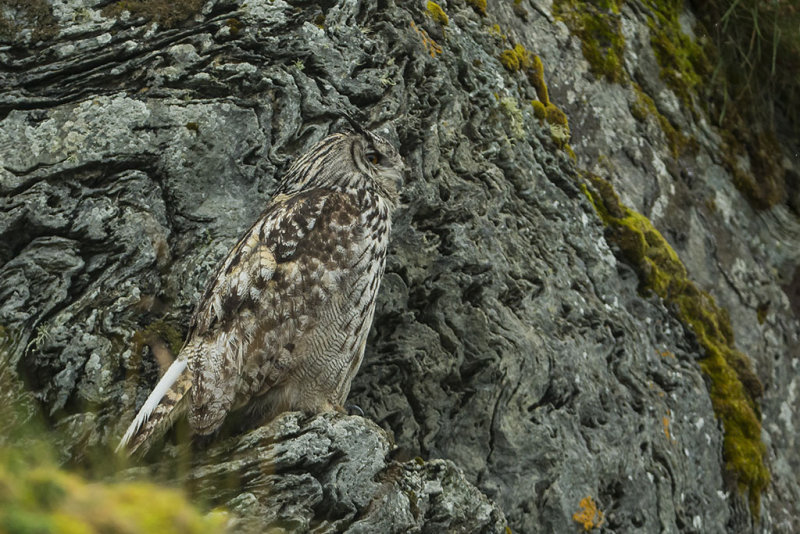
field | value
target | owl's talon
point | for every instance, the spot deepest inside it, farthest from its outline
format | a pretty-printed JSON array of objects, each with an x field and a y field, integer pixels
[{"x": 354, "y": 409}]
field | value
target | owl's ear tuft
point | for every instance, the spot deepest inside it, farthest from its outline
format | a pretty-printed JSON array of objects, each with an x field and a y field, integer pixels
[{"x": 355, "y": 125}]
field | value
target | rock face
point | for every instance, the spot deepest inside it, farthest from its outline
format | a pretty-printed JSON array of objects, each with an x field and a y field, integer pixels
[
  {"x": 333, "y": 474},
  {"x": 508, "y": 341}
]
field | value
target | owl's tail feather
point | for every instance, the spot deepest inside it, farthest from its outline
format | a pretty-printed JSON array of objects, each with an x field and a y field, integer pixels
[{"x": 165, "y": 404}]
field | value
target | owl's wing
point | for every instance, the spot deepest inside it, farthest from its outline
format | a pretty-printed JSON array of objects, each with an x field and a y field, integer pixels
[{"x": 268, "y": 289}]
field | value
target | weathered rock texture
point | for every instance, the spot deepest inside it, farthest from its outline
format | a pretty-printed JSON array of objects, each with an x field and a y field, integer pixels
[
  {"x": 332, "y": 474},
  {"x": 508, "y": 338}
]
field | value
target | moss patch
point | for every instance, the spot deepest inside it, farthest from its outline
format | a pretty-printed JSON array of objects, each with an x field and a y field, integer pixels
[
  {"x": 644, "y": 106},
  {"x": 158, "y": 330},
  {"x": 683, "y": 61},
  {"x": 538, "y": 110},
  {"x": 734, "y": 388},
  {"x": 18, "y": 15},
  {"x": 763, "y": 184},
  {"x": 436, "y": 12},
  {"x": 559, "y": 127},
  {"x": 599, "y": 26},
  {"x": 235, "y": 25},
  {"x": 685, "y": 64},
  {"x": 519, "y": 59},
  {"x": 167, "y": 13},
  {"x": 37, "y": 497},
  {"x": 479, "y": 6}
]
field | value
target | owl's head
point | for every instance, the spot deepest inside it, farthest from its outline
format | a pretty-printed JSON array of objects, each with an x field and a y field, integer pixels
[
  {"x": 351, "y": 162},
  {"x": 377, "y": 158}
]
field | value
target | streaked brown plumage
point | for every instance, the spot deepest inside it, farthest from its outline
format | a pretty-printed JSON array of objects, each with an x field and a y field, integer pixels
[{"x": 283, "y": 322}]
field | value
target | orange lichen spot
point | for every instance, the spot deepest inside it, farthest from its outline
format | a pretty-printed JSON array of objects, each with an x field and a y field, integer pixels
[
  {"x": 430, "y": 45},
  {"x": 589, "y": 515},
  {"x": 665, "y": 423},
  {"x": 666, "y": 354}
]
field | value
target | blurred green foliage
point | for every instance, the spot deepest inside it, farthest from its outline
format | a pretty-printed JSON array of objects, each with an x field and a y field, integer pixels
[
  {"x": 758, "y": 42},
  {"x": 39, "y": 497}
]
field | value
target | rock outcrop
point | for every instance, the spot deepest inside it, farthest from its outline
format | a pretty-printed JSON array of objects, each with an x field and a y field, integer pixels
[{"x": 333, "y": 474}]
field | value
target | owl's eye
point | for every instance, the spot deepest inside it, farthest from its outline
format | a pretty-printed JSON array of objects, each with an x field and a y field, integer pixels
[{"x": 374, "y": 157}]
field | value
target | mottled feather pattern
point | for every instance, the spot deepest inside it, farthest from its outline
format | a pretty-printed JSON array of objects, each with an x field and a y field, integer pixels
[{"x": 283, "y": 322}]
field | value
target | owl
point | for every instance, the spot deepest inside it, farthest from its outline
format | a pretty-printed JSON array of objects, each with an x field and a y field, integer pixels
[{"x": 283, "y": 322}]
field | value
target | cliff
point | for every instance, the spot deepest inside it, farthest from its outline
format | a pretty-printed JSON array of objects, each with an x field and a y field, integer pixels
[{"x": 586, "y": 320}]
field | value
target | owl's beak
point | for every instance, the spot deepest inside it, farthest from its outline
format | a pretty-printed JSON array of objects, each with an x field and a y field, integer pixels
[{"x": 401, "y": 177}]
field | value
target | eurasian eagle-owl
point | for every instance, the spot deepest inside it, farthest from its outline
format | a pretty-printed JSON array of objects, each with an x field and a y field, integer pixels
[{"x": 283, "y": 322}]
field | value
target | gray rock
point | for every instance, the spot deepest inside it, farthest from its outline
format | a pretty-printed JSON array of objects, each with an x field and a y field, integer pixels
[
  {"x": 332, "y": 473},
  {"x": 508, "y": 339}
]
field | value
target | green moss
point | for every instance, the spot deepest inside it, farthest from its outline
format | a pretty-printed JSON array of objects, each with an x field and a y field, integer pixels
[
  {"x": 683, "y": 61},
  {"x": 235, "y": 26},
  {"x": 193, "y": 126},
  {"x": 555, "y": 116},
  {"x": 520, "y": 59},
  {"x": 413, "y": 502},
  {"x": 538, "y": 110},
  {"x": 559, "y": 128},
  {"x": 167, "y": 13},
  {"x": 18, "y": 15},
  {"x": 761, "y": 312},
  {"x": 496, "y": 31},
  {"x": 764, "y": 183},
  {"x": 598, "y": 25},
  {"x": 510, "y": 60},
  {"x": 644, "y": 107},
  {"x": 479, "y": 6},
  {"x": 685, "y": 64},
  {"x": 734, "y": 387},
  {"x": 40, "y": 497},
  {"x": 158, "y": 330},
  {"x": 36, "y": 496},
  {"x": 536, "y": 77},
  {"x": 436, "y": 12}
]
